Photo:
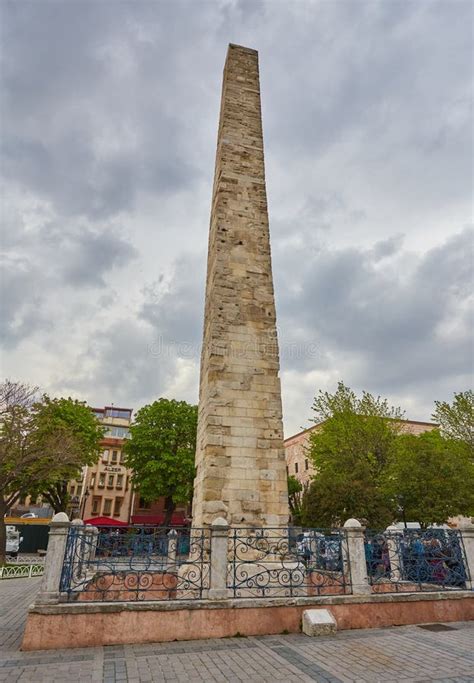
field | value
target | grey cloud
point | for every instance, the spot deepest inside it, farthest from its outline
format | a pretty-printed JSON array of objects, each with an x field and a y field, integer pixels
[
  {"x": 371, "y": 97},
  {"x": 118, "y": 364},
  {"x": 70, "y": 253},
  {"x": 390, "y": 320},
  {"x": 175, "y": 310},
  {"x": 90, "y": 255},
  {"x": 109, "y": 125},
  {"x": 38, "y": 265},
  {"x": 386, "y": 248},
  {"x": 103, "y": 129},
  {"x": 22, "y": 301}
]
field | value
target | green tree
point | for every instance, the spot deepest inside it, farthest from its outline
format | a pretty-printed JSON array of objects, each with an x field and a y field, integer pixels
[
  {"x": 295, "y": 496},
  {"x": 431, "y": 478},
  {"x": 345, "y": 400},
  {"x": 349, "y": 451},
  {"x": 41, "y": 443},
  {"x": 161, "y": 452},
  {"x": 82, "y": 433},
  {"x": 456, "y": 420}
]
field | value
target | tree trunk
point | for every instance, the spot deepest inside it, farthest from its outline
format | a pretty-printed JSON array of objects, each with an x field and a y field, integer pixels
[
  {"x": 57, "y": 496},
  {"x": 3, "y": 532},
  {"x": 170, "y": 507},
  {"x": 63, "y": 496}
]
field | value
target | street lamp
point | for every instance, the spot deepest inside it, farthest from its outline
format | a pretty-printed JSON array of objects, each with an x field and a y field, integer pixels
[{"x": 83, "y": 502}]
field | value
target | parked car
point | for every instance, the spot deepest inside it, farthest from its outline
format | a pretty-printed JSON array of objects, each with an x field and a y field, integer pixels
[{"x": 13, "y": 541}]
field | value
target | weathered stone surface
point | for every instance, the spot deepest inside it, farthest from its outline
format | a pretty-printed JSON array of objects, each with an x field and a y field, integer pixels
[
  {"x": 240, "y": 453},
  {"x": 318, "y": 622}
]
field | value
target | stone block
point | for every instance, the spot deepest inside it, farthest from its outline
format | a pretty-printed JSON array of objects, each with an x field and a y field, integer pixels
[
  {"x": 318, "y": 622},
  {"x": 214, "y": 507}
]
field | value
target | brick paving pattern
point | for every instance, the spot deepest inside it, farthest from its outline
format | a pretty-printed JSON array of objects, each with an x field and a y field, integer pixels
[{"x": 395, "y": 655}]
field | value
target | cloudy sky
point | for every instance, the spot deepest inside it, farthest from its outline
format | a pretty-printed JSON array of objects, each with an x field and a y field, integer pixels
[{"x": 108, "y": 127}]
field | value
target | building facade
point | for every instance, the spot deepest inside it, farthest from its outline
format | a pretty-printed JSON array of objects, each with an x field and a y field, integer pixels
[
  {"x": 298, "y": 462},
  {"x": 154, "y": 513},
  {"x": 105, "y": 489}
]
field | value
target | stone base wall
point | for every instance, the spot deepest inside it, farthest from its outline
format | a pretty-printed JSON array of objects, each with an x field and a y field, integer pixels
[
  {"x": 92, "y": 625},
  {"x": 127, "y": 586}
]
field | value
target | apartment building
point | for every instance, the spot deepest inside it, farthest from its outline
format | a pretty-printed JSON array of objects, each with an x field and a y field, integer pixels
[{"x": 104, "y": 489}]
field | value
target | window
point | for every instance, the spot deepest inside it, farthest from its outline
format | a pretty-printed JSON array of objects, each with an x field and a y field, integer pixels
[
  {"x": 114, "y": 456},
  {"x": 99, "y": 414},
  {"x": 296, "y": 468},
  {"x": 143, "y": 505},
  {"x": 115, "y": 412},
  {"x": 79, "y": 491},
  {"x": 126, "y": 484},
  {"x": 110, "y": 481},
  {"x": 122, "y": 457},
  {"x": 306, "y": 464},
  {"x": 72, "y": 490},
  {"x": 92, "y": 480},
  {"x": 117, "y": 432},
  {"x": 96, "y": 505},
  {"x": 117, "y": 506},
  {"x": 119, "y": 481},
  {"x": 107, "y": 506},
  {"x": 102, "y": 479},
  {"x": 105, "y": 455}
]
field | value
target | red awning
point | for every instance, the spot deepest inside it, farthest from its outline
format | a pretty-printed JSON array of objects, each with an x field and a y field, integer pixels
[
  {"x": 104, "y": 521},
  {"x": 178, "y": 519}
]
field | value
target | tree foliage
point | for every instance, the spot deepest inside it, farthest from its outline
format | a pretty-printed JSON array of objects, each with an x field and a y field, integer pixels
[
  {"x": 349, "y": 451},
  {"x": 42, "y": 442},
  {"x": 161, "y": 452},
  {"x": 430, "y": 478},
  {"x": 456, "y": 420},
  {"x": 346, "y": 401},
  {"x": 349, "y": 455},
  {"x": 369, "y": 468},
  {"x": 75, "y": 423}
]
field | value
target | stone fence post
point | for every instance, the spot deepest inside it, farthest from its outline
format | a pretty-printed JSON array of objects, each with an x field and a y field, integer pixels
[
  {"x": 79, "y": 555},
  {"x": 92, "y": 535},
  {"x": 467, "y": 534},
  {"x": 219, "y": 542},
  {"x": 357, "y": 561},
  {"x": 53, "y": 565},
  {"x": 172, "y": 547}
]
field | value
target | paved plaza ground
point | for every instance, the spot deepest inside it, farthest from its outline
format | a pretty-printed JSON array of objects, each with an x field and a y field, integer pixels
[{"x": 408, "y": 653}]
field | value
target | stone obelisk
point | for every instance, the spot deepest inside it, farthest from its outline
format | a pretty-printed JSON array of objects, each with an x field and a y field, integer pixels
[{"x": 240, "y": 463}]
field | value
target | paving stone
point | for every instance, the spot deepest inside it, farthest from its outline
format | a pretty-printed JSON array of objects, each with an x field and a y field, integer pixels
[{"x": 373, "y": 656}]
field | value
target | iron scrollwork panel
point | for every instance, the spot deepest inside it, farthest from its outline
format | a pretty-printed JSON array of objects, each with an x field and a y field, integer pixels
[
  {"x": 411, "y": 560},
  {"x": 135, "y": 563},
  {"x": 277, "y": 562}
]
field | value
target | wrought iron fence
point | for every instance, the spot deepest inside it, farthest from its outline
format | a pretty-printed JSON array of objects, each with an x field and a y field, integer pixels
[
  {"x": 17, "y": 571},
  {"x": 409, "y": 560},
  {"x": 31, "y": 558},
  {"x": 135, "y": 563},
  {"x": 266, "y": 562}
]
